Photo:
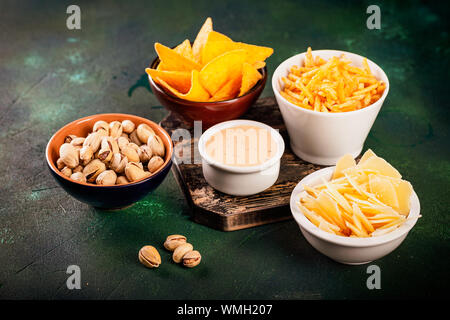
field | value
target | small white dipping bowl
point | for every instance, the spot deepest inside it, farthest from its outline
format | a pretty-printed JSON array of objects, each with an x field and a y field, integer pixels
[
  {"x": 240, "y": 181},
  {"x": 345, "y": 249},
  {"x": 320, "y": 137}
]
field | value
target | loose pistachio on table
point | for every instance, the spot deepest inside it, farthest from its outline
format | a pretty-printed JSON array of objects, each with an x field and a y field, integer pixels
[
  {"x": 149, "y": 257},
  {"x": 113, "y": 153},
  {"x": 191, "y": 259},
  {"x": 180, "y": 251},
  {"x": 173, "y": 241}
]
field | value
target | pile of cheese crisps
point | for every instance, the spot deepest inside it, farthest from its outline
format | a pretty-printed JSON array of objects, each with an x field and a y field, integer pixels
[
  {"x": 331, "y": 86},
  {"x": 361, "y": 200},
  {"x": 214, "y": 68}
]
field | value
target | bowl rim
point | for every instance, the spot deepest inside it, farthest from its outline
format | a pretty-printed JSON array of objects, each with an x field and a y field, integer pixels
[
  {"x": 304, "y": 222},
  {"x": 53, "y": 167},
  {"x": 260, "y": 83},
  {"x": 275, "y": 79},
  {"x": 232, "y": 123}
]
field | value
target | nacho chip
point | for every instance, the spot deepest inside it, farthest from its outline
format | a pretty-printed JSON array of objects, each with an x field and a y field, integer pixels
[
  {"x": 214, "y": 49},
  {"x": 195, "y": 93},
  {"x": 229, "y": 90},
  {"x": 201, "y": 38},
  {"x": 259, "y": 64},
  {"x": 221, "y": 69},
  {"x": 179, "y": 80},
  {"x": 174, "y": 61},
  {"x": 250, "y": 76},
  {"x": 254, "y": 53},
  {"x": 185, "y": 50}
]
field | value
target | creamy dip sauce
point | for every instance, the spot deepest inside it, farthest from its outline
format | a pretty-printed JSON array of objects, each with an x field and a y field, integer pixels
[{"x": 242, "y": 146}]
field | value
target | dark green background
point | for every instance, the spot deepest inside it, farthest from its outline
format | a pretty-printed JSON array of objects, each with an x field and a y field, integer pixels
[{"x": 50, "y": 76}]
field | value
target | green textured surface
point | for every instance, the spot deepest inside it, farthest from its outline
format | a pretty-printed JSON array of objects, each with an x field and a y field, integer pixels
[{"x": 50, "y": 76}]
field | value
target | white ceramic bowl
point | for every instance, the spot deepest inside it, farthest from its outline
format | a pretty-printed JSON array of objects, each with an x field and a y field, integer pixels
[
  {"x": 345, "y": 249},
  {"x": 322, "y": 138},
  {"x": 240, "y": 181}
]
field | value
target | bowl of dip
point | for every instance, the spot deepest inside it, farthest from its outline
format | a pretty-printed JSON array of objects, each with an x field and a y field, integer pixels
[{"x": 241, "y": 157}]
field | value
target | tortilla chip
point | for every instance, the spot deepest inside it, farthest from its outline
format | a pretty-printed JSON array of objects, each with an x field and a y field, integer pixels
[
  {"x": 185, "y": 50},
  {"x": 214, "y": 49},
  {"x": 254, "y": 53},
  {"x": 201, "y": 38},
  {"x": 217, "y": 36},
  {"x": 259, "y": 64},
  {"x": 221, "y": 69},
  {"x": 161, "y": 66},
  {"x": 250, "y": 76},
  {"x": 179, "y": 80},
  {"x": 229, "y": 90},
  {"x": 195, "y": 93},
  {"x": 174, "y": 61}
]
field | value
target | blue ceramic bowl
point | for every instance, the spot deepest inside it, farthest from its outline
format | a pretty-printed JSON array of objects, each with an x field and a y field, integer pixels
[{"x": 107, "y": 197}]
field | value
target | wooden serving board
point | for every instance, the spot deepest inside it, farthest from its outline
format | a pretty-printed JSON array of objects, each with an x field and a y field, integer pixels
[{"x": 226, "y": 212}]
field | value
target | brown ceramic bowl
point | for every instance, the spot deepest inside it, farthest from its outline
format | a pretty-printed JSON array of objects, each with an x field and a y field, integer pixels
[
  {"x": 210, "y": 113},
  {"x": 107, "y": 197}
]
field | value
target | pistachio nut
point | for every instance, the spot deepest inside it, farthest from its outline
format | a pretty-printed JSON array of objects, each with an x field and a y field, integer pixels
[
  {"x": 134, "y": 138},
  {"x": 144, "y": 132},
  {"x": 145, "y": 153},
  {"x": 128, "y": 126},
  {"x": 149, "y": 257},
  {"x": 122, "y": 142},
  {"x": 69, "y": 138},
  {"x": 134, "y": 172},
  {"x": 122, "y": 180},
  {"x": 60, "y": 164},
  {"x": 124, "y": 135},
  {"x": 155, "y": 163},
  {"x": 93, "y": 169},
  {"x": 66, "y": 171},
  {"x": 101, "y": 125},
  {"x": 107, "y": 148},
  {"x": 173, "y": 241},
  {"x": 157, "y": 145},
  {"x": 129, "y": 152},
  {"x": 115, "y": 129},
  {"x": 118, "y": 162},
  {"x": 78, "y": 176},
  {"x": 69, "y": 155},
  {"x": 192, "y": 259},
  {"x": 86, "y": 154},
  {"x": 106, "y": 178},
  {"x": 94, "y": 140},
  {"x": 180, "y": 251},
  {"x": 77, "y": 142},
  {"x": 78, "y": 168}
]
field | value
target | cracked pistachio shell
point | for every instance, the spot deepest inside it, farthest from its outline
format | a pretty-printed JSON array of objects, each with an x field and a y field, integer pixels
[
  {"x": 93, "y": 169},
  {"x": 60, "y": 164},
  {"x": 115, "y": 129},
  {"x": 180, "y": 251},
  {"x": 107, "y": 148},
  {"x": 66, "y": 171},
  {"x": 157, "y": 145},
  {"x": 134, "y": 172},
  {"x": 106, "y": 178},
  {"x": 173, "y": 241},
  {"x": 122, "y": 180},
  {"x": 144, "y": 132},
  {"x": 149, "y": 257},
  {"x": 128, "y": 126},
  {"x": 78, "y": 176},
  {"x": 69, "y": 155},
  {"x": 94, "y": 140},
  {"x": 118, "y": 162},
  {"x": 192, "y": 259},
  {"x": 78, "y": 168},
  {"x": 69, "y": 138},
  {"x": 145, "y": 153},
  {"x": 131, "y": 153},
  {"x": 101, "y": 125},
  {"x": 134, "y": 138},
  {"x": 77, "y": 142},
  {"x": 155, "y": 163},
  {"x": 122, "y": 142},
  {"x": 86, "y": 154}
]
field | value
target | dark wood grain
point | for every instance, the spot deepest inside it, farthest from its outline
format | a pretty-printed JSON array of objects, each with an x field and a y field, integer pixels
[{"x": 226, "y": 212}]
